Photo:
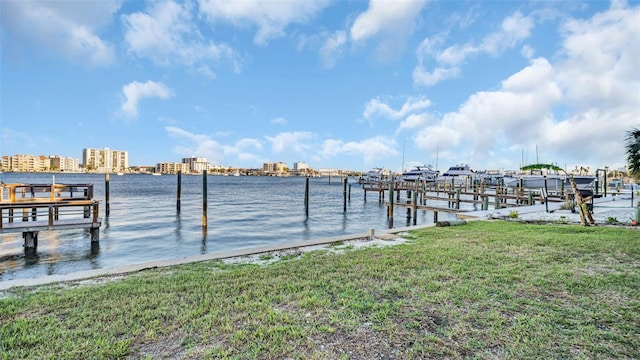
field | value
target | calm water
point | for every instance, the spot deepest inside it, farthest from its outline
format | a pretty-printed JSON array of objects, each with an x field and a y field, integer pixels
[{"x": 144, "y": 225}]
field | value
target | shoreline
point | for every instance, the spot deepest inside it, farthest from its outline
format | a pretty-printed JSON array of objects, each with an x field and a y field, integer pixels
[
  {"x": 385, "y": 234},
  {"x": 604, "y": 210}
]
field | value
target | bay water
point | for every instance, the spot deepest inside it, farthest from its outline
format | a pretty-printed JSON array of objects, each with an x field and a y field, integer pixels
[{"x": 144, "y": 224}]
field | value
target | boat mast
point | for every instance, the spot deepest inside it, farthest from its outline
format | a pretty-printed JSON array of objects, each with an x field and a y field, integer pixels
[{"x": 404, "y": 143}]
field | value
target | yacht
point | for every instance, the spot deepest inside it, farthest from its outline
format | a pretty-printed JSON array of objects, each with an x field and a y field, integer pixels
[
  {"x": 460, "y": 170},
  {"x": 457, "y": 174},
  {"x": 421, "y": 173},
  {"x": 375, "y": 174}
]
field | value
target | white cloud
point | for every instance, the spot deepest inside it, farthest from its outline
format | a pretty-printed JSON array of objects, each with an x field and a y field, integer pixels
[
  {"x": 376, "y": 107},
  {"x": 270, "y": 17},
  {"x": 385, "y": 16},
  {"x": 136, "y": 91},
  {"x": 513, "y": 30},
  {"x": 414, "y": 121},
  {"x": 297, "y": 141},
  {"x": 520, "y": 111},
  {"x": 390, "y": 23},
  {"x": 577, "y": 108},
  {"x": 332, "y": 48},
  {"x": 279, "y": 121},
  {"x": 205, "y": 146},
  {"x": 372, "y": 149},
  {"x": 426, "y": 78},
  {"x": 71, "y": 28},
  {"x": 246, "y": 151},
  {"x": 167, "y": 34},
  {"x": 600, "y": 66},
  {"x": 197, "y": 145},
  {"x": 599, "y": 73}
]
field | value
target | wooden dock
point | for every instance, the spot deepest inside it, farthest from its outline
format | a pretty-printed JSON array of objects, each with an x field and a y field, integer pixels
[
  {"x": 448, "y": 197},
  {"x": 31, "y": 208}
]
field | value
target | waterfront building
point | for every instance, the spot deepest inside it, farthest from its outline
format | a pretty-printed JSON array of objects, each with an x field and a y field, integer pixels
[
  {"x": 67, "y": 164},
  {"x": 32, "y": 163},
  {"x": 196, "y": 164},
  {"x": 105, "y": 160},
  {"x": 25, "y": 163},
  {"x": 301, "y": 168},
  {"x": 274, "y": 168},
  {"x": 172, "y": 167}
]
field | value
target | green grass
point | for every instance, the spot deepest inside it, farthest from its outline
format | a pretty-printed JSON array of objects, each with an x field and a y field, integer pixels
[{"x": 482, "y": 290}]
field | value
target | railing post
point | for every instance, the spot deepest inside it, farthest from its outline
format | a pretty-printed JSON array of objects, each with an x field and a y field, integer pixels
[{"x": 96, "y": 211}]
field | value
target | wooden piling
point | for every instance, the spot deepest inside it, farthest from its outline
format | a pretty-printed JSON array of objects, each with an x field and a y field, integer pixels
[
  {"x": 204, "y": 199},
  {"x": 179, "y": 191},
  {"x": 415, "y": 207},
  {"x": 390, "y": 211},
  {"x": 107, "y": 209},
  {"x": 344, "y": 196},
  {"x": 306, "y": 197}
]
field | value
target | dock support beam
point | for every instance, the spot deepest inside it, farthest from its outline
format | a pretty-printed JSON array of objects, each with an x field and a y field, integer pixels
[
  {"x": 30, "y": 239},
  {"x": 95, "y": 234}
]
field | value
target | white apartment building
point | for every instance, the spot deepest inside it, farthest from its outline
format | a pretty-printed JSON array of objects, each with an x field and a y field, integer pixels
[
  {"x": 196, "y": 164},
  {"x": 105, "y": 160},
  {"x": 274, "y": 168},
  {"x": 300, "y": 166}
]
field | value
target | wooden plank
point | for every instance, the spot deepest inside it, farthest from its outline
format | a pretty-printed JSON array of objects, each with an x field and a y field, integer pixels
[{"x": 24, "y": 226}]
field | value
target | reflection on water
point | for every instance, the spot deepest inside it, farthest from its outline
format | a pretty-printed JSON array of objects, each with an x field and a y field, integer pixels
[{"x": 144, "y": 224}]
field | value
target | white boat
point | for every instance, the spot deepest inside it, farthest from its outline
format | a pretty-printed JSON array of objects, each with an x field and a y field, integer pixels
[
  {"x": 459, "y": 170},
  {"x": 537, "y": 181},
  {"x": 582, "y": 181},
  {"x": 375, "y": 174},
  {"x": 553, "y": 181},
  {"x": 421, "y": 173},
  {"x": 457, "y": 174},
  {"x": 156, "y": 174}
]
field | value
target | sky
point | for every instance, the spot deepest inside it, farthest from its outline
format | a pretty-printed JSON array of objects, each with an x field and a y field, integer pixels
[{"x": 336, "y": 84}]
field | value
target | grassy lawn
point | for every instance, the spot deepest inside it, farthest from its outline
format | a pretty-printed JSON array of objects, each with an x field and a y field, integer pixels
[{"x": 500, "y": 290}]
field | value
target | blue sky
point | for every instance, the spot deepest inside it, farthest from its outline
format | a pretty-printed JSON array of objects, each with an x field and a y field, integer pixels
[{"x": 337, "y": 84}]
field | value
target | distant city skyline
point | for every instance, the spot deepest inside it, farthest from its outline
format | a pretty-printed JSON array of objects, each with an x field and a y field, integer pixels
[{"x": 339, "y": 84}]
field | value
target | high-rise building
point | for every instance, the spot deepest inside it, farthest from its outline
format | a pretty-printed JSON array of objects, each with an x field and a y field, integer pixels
[
  {"x": 105, "y": 160},
  {"x": 274, "y": 168},
  {"x": 300, "y": 166}
]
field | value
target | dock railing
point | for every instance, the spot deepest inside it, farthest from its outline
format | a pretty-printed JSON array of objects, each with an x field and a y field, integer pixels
[{"x": 30, "y": 208}]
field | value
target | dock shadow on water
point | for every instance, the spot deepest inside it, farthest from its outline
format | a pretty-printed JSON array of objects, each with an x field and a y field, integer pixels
[{"x": 145, "y": 225}]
